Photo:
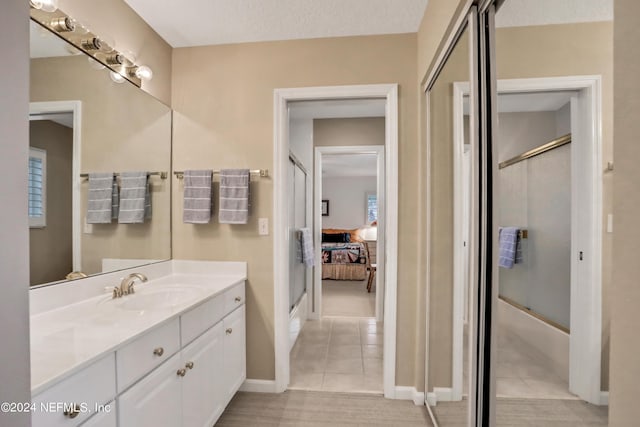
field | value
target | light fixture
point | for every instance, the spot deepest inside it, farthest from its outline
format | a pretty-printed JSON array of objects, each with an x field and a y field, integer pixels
[
  {"x": 143, "y": 72},
  {"x": 96, "y": 65},
  {"x": 44, "y": 5},
  {"x": 93, "y": 43},
  {"x": 116, "y": 77},
  {"x": 63, "y": 24},
  {"x": 115, "y": 59}
]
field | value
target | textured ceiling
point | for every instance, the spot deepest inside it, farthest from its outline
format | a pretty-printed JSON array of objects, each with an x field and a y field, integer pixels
[
  {"x": 520, "y": 13},
  {"x": 205, "y": 22}
]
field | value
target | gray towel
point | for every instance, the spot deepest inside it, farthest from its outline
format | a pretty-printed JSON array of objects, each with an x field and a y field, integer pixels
[
  {"x": 510, "y": 247},
  {"x": 306, "y": 241},
  {"x": 134, "y": 190},
  {"x": 99, "y": 198},
  {"x": 147, "y": 202},
  {"x": 197, "y": 197},
  {"x": 115, "y": 198},
  {"x": 234, "y": 196}
]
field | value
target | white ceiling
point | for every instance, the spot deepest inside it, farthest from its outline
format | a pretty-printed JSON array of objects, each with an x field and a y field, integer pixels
[
  {"x": 206, "y": 22},
  {"x": 335, "y": 165},
  {"x": 332, "y": 109},
  {"x": 520, "y": 13},
  {"x": 44, "y": 44}
]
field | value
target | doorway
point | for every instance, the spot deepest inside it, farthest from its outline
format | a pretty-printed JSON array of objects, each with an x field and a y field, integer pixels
[{"x": 387, "y": 224}]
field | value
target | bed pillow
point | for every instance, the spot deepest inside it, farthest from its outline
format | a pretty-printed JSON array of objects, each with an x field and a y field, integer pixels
[
  {"x": 336, "y": 237},
  {"x": 354, "y": 234}
]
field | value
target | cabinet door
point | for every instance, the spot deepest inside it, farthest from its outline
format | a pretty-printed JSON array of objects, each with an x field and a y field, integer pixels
[
  {"x": 235, "y": 365},
  {"x": 154, "y": 401},
  {"x": 202, "y": 386},
  {"x": 106, "y": 417}
]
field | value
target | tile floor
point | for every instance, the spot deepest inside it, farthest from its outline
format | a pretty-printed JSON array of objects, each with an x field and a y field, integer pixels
[
  {"x": 348, "y": 298},
  {"x": 338, "y": 354}
]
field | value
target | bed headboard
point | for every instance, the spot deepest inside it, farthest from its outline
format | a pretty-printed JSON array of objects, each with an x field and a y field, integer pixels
[{"x": 355, "y": 233}]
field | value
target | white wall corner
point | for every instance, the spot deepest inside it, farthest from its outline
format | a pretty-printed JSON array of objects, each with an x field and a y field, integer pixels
[
  {"x": 259, "y": 386},
  {"x": 409, "y": 393}
]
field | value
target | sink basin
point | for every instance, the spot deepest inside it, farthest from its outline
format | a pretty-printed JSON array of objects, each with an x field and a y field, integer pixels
[{"x": 160, "y": 298}]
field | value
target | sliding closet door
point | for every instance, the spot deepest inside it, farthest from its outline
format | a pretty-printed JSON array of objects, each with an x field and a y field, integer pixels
[{"x": 297, "y": 220}]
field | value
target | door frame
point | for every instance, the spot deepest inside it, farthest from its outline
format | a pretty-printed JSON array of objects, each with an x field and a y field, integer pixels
[
  {"x": 75, "y": 108},
  {"x": 319, "y": 152},
  {"x": 585, "y": 339},
  {"x": 388, "y": 92}
]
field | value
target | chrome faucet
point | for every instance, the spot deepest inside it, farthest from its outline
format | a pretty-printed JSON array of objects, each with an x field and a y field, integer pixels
[{"x": 126, "y": 286}]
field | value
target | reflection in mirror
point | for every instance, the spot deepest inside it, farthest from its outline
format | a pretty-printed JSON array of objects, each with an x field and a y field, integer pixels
[
  {"x": 447, "y": 379},
  {"x": 553, "y": 139},
  {"x": 81, "y": 121}
]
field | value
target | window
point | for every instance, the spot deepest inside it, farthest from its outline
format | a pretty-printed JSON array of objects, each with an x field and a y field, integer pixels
[
  {"x": 372, "y": 208},
  {"x": 37, "y": 187}
]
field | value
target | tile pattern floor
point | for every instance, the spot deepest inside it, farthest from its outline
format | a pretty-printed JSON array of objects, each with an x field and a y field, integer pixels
[
  {"x": 348, "y": 298},
  {"x": 338, "y": 354}
]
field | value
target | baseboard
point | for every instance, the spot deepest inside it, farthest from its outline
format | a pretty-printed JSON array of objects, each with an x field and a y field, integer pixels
[
  {"x": 604, "y": 398},
  {"x": 258, "y": 386},
  {"x": 443, "y": 394},
  {"x": 432, "y": 399},
  {"x": 409, "y": 393}
]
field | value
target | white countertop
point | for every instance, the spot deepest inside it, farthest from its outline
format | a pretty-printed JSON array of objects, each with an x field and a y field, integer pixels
[{"x": 68, "y": 338}]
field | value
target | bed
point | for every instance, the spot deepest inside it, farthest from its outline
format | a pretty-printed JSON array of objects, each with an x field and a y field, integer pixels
[{"x": 343, "y": 260}]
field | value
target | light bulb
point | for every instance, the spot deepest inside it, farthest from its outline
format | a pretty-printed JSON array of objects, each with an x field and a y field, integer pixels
[
  {"x": 116, "y": 77},
  {"x": 144, "y": 73},
  {"x": 96, "y": 65},
  {"x": 44, "y": 5}
]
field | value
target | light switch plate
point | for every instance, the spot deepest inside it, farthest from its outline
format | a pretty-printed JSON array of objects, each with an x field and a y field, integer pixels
[
  {"x": 610, "y": 223},
  {"x": 263, "y": 226}
]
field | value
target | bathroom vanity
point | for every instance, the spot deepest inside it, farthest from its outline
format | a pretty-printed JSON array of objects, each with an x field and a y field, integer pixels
[{"x": 171, "y": 354}]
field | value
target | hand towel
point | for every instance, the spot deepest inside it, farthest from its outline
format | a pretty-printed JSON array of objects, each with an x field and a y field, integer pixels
[
  {"x": 510, "y": 247},
  {"x": 197, "y": 197},
  {"x": 99, "y": 198},
  {"x": 306, "y": 241},
  {"x": 234, "y": 196},
  {"x": 147, "y": 201},
  {"x": 115, "y": 198},
  {"x": 133, "y": 193}
]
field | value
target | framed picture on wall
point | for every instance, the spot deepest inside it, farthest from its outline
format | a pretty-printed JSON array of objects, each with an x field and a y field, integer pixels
[{"x": 325, "y": 208}]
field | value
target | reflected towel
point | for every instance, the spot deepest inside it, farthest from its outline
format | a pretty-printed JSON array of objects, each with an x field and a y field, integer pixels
[
  {"x": 197, "y": 197},
  {"x": 510, "y": 247},
  {"x": 306, "y": 242},
  {"x": 234, "y": 196},
  {"x": 100, "y": 198},
  {"x": 134, "y": 188}
]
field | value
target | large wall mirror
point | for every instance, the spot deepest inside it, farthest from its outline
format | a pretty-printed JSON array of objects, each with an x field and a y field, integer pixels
[{"x": 85, "y": 121}]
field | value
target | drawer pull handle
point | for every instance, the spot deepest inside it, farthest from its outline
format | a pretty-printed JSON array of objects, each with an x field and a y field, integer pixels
[
  {"x": 189, "y": 365},
  {"x": 158, "y": 351},
  {"x": 72, "y": 412},
  {"x": 182, "y": 372},
  {"x": 228, "y": 331},
  {"x": 238, "y": 299}
]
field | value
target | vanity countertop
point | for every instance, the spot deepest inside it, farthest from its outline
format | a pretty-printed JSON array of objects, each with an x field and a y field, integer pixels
[{"x": 67, "y": 339}]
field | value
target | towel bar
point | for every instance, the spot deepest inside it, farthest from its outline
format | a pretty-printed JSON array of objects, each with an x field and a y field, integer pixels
[
  {"x": 264, "y": 173},
  {"x": 162, "y": 175}
]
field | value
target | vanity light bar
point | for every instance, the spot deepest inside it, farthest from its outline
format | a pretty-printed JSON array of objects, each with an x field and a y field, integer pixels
[
  {"x": 264, "y": 173},
  {"x": 162, "y": 175}
]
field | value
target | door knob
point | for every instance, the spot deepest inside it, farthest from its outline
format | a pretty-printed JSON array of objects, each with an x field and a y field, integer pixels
[{"x": 158, "y": 351}]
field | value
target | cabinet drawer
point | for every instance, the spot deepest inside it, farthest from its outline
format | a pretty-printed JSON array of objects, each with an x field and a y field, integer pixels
[
  {"x": 89, "y": 388},
  {"x": 234, "y": 298},
  {"x": 201, "y": 318},
  {"x": 106, "y": 417},
  {"x": 142, "y": 355}
]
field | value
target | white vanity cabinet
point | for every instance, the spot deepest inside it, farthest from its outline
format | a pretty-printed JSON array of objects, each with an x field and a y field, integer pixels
[{"x": 192, "y": 388}]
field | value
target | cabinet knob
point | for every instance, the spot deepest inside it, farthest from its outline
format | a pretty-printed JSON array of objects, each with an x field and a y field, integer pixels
[
  {"x": 238, "y": 299},
  {"x": 181, "y": 372},
  {"x": 158, "y": 351},
  {"x": 189, "y": 365},
  {"x": 72, "y": 412},
  {"x": 229, "y": 331}
]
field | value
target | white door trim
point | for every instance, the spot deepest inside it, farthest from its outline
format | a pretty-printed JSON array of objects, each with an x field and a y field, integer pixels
[
  {"x": 281, "y": 98},
  {"x": 74, "y": 107},
  {"x": 356, "y": 149},
  {"x": 586, "y": 299}
]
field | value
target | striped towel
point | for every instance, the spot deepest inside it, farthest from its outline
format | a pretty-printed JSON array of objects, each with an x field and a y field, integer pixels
[
  {"x": 115, "y": 198},
  {"x": 100, "y": 198},
  {"x": 197, "y": 197},
  {"x": 134, "y": 189},
  {"x": 306, "y": 242},
  {"x": 234, "y": 196},
  {"x": 510, "y": 247}
]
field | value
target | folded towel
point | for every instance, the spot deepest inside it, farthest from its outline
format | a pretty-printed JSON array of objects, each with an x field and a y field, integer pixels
[
  {"x": 306, "y": 241},
  {"x": 510, "y": 247},
  {"x": 197, "y": 197},
  {"x": 134, "y": 187},
  {"x": 147, "y": 201},
  {"x": 99, "y": 198},
  {"x": 234, "y": 196},
  {"x": 115, "y": 198}
]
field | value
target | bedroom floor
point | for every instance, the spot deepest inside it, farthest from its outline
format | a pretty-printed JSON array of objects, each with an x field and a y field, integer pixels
[
  {"x": 338, "y": 354},
  {"x": 348, "y": 298}
]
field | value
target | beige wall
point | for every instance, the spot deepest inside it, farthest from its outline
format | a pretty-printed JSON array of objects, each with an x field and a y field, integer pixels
[
  {"x": 357, "y": 131},
  {"x": 223, "y": 101},
  {"x": 123, "y": 129},
  {"x": 114, "y": 18},
  {"x": 625, "y": 292},
  {"x": 49, "y": 265},
  {"x": 570, "y": 50}
]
